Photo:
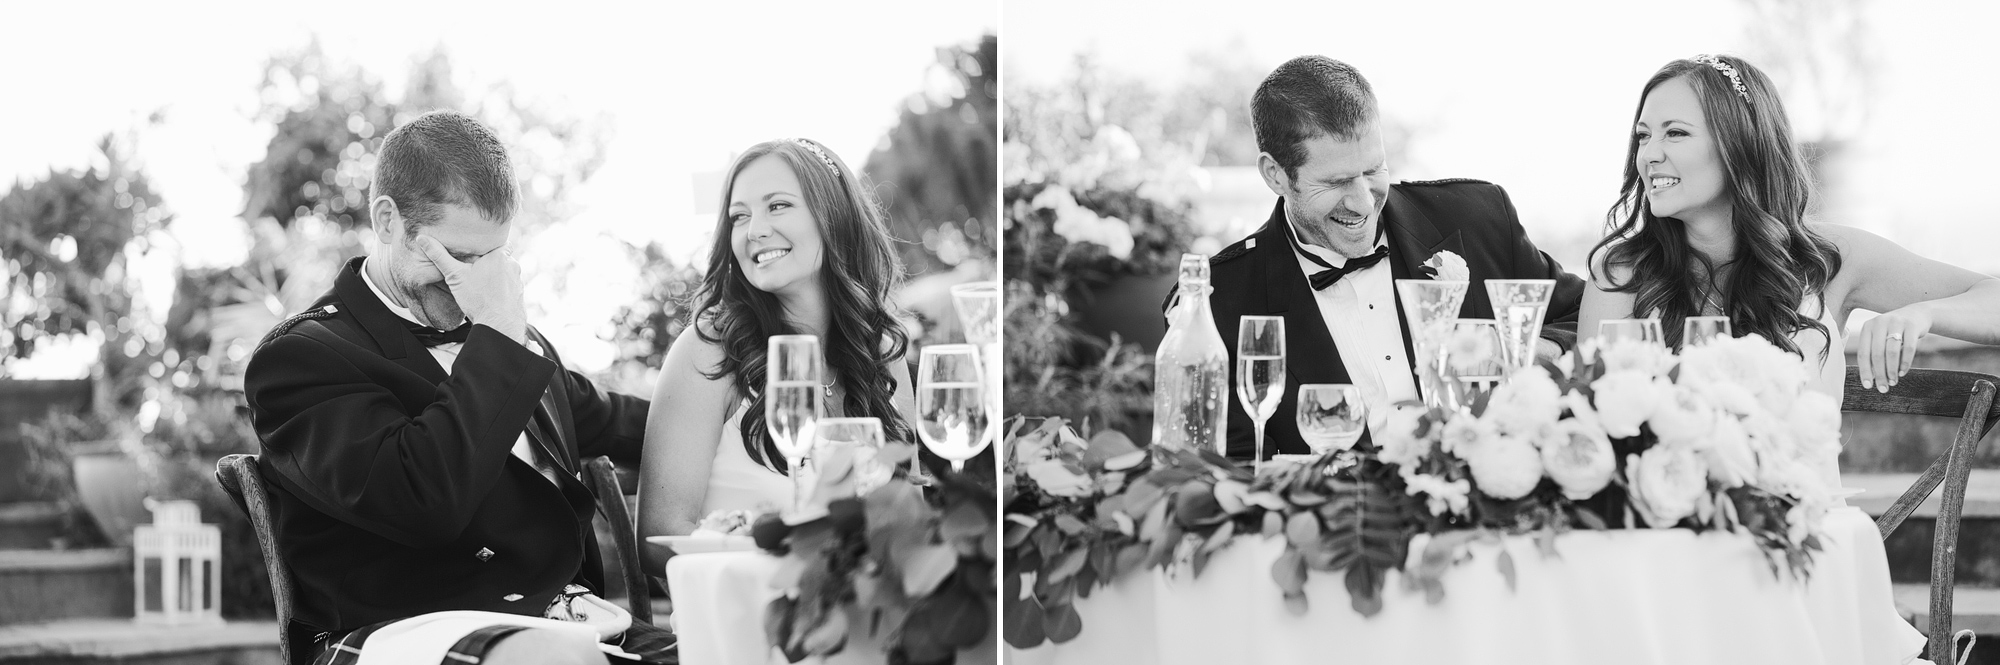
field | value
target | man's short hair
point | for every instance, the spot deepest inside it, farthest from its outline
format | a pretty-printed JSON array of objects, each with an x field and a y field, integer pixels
[
  {"x": 1307, "y": 97},
  {"x": 444, "y": 157}
]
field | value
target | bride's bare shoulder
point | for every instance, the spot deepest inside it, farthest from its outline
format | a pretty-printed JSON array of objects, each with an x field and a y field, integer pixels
[{"x": 695, "y": 353}]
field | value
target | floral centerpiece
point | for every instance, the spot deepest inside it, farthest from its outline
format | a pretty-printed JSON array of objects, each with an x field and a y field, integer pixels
[
  {"x": 1723, "y": 437},
  {"x": 910, "y": 569}
]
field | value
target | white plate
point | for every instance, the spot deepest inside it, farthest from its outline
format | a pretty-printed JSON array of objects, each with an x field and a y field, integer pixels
[{"x": 701, "y": 544}]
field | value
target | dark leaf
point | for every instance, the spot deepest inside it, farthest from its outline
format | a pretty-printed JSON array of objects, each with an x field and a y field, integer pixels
[
  {"x": 1067, "y": 564},
  {"x": 1063, "y": 624},
  {"x": 1364, "y": 586},
  {"x": 1024, "y": 628},
  {"x": 1506, "y": 563},
  {"x": 925, "y": 567}
]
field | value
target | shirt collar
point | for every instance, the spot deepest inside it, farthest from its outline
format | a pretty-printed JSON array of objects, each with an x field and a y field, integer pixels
[{"x": 1331, "y": 257}]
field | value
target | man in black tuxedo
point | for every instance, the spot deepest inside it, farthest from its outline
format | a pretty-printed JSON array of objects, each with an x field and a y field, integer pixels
[
  {"x": 1340, "y": 235},
  {"x": 421, "y": 442}
]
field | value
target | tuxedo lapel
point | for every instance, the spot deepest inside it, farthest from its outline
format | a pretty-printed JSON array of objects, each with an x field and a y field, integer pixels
[
  {"x": 391, "y": 335},
  {"x": 1310, "y": 354}
]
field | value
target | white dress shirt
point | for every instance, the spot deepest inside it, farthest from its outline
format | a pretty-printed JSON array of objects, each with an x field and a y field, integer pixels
[
  {"x": 447, "y": 355},
  {"x": 1360, "y": 313}
]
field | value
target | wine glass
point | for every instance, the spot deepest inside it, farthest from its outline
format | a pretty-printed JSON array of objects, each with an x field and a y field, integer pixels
[
  {"x": 1698, "y": 330},
  {"x": 792, "y": 391},
  {"x": 1618, "y": 330},
  {"x": 1473, "y": 362},
  {"x": 1518, "y": 306},
  {"x": 1260, "y": 371},
  {"x": 863, "y": 438},
  {"x": 1331, "y": 416},
  {"x": 951, "y": 406}
]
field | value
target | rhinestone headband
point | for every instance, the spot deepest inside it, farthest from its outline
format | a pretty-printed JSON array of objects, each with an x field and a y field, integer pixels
[
  {"x": 814, "y": 147},
  {"x": 1735, "y": 79}
]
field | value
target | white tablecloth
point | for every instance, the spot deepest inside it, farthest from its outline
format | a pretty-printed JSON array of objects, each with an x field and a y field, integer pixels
[
  {"x": 719, "y": 601},
  {"x": 1667, "y": 597}
]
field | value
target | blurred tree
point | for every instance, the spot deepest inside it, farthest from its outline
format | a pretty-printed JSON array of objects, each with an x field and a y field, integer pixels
[
  {"x": 935, "y": 169},
  {"x": 65, "y": 240}
]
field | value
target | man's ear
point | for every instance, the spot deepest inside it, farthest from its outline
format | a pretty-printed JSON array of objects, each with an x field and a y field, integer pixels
[
  {"x": 385, "y": 218},
  {"x": 1274, "y": 174}
]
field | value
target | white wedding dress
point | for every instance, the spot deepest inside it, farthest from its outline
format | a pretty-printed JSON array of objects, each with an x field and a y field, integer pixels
[
  {"x": 1852, "y": 573},
  {"x": 737, "y": 481}
]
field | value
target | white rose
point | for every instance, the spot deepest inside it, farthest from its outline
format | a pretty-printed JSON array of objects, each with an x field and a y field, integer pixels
[
  {"x": 1792, "y": 477},
  {"x": 1440, "y": 496},
  {"x": 1448, "y": 266},
  {"x": 1525, "y": 402},
  {"x": 1667, "y": 481},
  {"x": 1731, "y": 461},
  {"x": 1578, "y": 457},
  {"x": 1630, "y": 355},
  {"x": 1058, "y": 480},
  {"x": 1463, "y": 435},
  {"x": 1624, "y": 401},
  {"x": 1053, "y": 197},
  {"x": 1684, "y": 414},
  {"x": 1397, "y": 442},
  {"x": 1506, "y": 467}
]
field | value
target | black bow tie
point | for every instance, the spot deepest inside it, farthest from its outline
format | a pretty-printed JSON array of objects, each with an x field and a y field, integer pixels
[
  {"x": 433, "y": 337},
  {"x": 1326, "y": 278}
]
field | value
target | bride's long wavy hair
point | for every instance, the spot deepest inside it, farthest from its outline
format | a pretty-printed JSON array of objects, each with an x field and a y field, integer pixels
[
  {"x": 1780, "y": 261},
  {"x": 858, "y": 267}
]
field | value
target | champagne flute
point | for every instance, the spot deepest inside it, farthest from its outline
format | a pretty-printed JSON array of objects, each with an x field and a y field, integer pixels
[
  {"x": 1518, "y": 306},
  {"x": 978, "y": 307},
  {"x": 951, "y": 404},
  {"x": 1473, "y": 363},
  {"x": 1698, "y": 330},
  {"x": 792, "y": 403},
  {"x": 1260, "y": 371},
  {"x": 863, "y": 439},
  {"x": 1331, "y": 416},
  {"x": 1618, "y": 330}
]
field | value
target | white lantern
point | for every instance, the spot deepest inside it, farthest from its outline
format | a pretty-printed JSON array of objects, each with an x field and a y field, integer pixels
[{"x": 177, "y": 566}]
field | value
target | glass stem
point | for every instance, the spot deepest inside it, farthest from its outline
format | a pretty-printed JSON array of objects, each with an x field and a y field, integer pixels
[
  {"x": 1257, "y": 463},
  {"x": 798, "y": 485},
  {"x": 958, "y": 466}
]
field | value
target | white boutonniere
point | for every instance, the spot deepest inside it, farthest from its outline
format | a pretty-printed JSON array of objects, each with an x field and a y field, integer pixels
[{"x": 1447, "y": 266}]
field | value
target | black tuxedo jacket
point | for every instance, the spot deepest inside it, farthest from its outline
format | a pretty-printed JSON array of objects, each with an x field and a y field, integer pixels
[
  {"x": 1261, "y": 275},
  {"x": 394, "y": 491}
]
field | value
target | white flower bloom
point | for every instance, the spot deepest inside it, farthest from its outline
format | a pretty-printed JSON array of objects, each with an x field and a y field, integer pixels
[
  {"x": 1506, "y": 467},
  {"x": 1440, "y": 496},
  {"x": 1464, "y": 434},
  {"x": 1731, "y": 461},
  {"x": 1684, "y": 414},
  {"x": 1578, "y": 457},
  {"x": 1524, "y": 403},
  {"x": 1058, "y": 480},
  {"x": 1398, "y": 440},
  {"x": 1448, "y": 266},
  {"x": 1053, "y": 197},
  {"x": 1630, "y": 355},
  {"x": 1466, "y": 349},
  {"x": 1625, "y": 399},
  {"x": 1815, "y": 422},
  {"x": 1667, "y": 481}
]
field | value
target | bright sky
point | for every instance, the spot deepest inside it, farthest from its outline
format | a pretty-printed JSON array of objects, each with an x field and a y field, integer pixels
[
  {"x": 1536, "y": 95},
  {"x": 686, "y": 86}
]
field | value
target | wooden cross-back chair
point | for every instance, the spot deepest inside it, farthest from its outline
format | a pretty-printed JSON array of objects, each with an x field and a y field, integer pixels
[
  {"x": 1968, "y": 397},
  {"x": 239, "y": 477}
]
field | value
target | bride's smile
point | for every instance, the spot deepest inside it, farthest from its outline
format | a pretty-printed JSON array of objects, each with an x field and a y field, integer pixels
[
  {"x": 773, "y": 234},
  {"x": 1678, "y": 157}
]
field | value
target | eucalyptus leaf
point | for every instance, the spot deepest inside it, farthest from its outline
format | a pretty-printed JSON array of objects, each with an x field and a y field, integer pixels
[
  {"x": 1024, "y": 624},
  {"x": 926, "y": 567},
  {"x": 1062, "y": 624},
  {"x": 1506, "y": 563},
  {"x": 1067, "y": 564}
]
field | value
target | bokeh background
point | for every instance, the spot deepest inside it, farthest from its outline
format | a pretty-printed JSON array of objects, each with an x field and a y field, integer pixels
[
  {"x": 1125, "y": 147},
  {"x": 178, "y": 179}
]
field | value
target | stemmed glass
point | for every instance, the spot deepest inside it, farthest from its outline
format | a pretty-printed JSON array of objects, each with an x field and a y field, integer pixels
[
  {"x": 1260, "y": 371},
  {"x": 864, "y": 437},
  {"x": 1518, "y": 307},
  {"x": 792, "y": 403},
  {"x": 1473, "y": 363},
  {"x": 1331, "y": 416},
  {"x": 951, "y": 402},
  {"x": 978, "y": 307},
  {"x": 1698, "y": 330},
  {"x": 1617, "y": 330}
]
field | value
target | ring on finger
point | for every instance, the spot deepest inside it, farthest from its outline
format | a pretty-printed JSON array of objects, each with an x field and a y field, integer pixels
[{"x": 1896, "y": 337}]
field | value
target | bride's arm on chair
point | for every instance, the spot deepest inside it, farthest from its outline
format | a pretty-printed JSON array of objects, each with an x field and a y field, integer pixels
[
  {"x": 682, "y": 432},
  {"x": 1599, "y": 303},
  {"x": 1915, "y": 295}
]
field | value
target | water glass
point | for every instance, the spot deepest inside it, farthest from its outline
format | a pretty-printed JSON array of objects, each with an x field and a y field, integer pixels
[
  {"x": 861, "y": 440},
  {"x": 1331, "y": 416},
  {"x": 1698, "y": 330},
  {"x": 951, "y": 402},
  {"x": 1472, "y": 360},
  {"x": 1519, "y": 306},
  {"x": 1616, "y": 330}
]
